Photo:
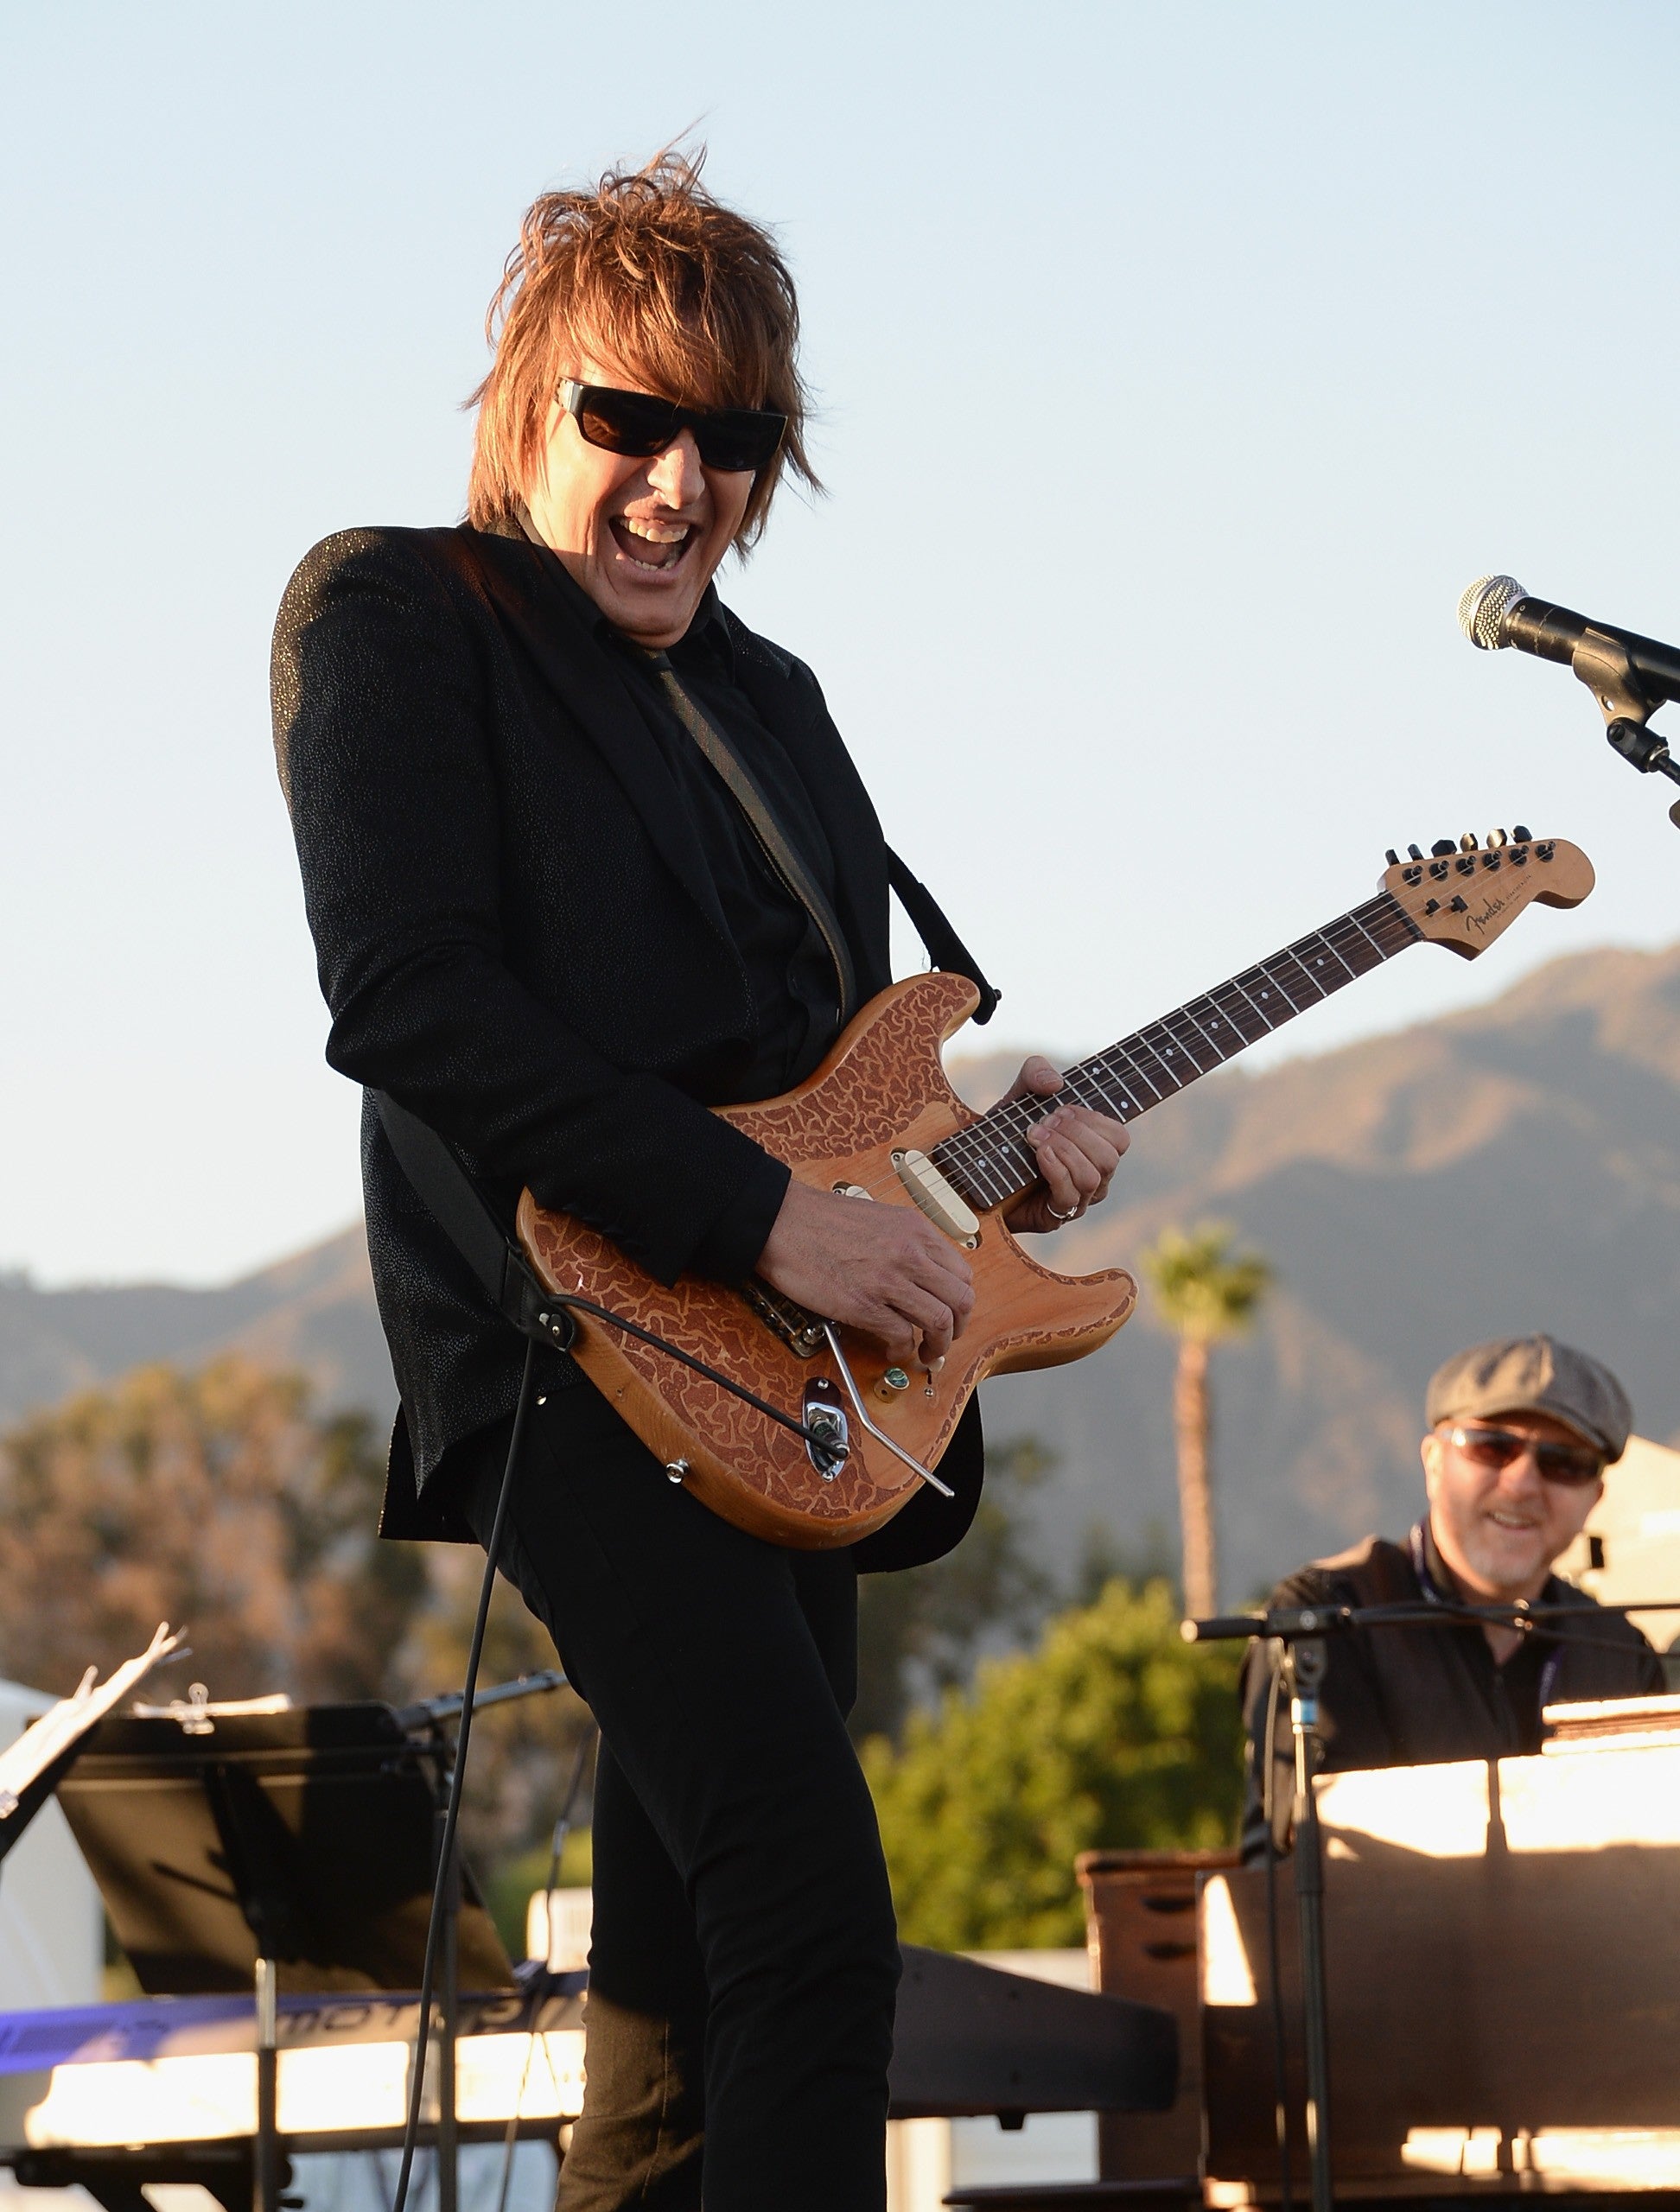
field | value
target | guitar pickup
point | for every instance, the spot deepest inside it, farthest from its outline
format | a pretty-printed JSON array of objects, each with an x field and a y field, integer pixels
[{"x": 931, "y": 1191}]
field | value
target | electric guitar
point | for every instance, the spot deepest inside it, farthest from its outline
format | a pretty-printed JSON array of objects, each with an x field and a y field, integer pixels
[{"x": 878, "y": 1121}]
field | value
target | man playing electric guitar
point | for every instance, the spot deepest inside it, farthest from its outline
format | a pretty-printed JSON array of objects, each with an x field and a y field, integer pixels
[{"x": 584, "y": 858}]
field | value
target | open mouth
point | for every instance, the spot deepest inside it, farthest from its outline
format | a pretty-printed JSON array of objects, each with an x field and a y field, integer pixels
[{"x": 651, "y": 545}]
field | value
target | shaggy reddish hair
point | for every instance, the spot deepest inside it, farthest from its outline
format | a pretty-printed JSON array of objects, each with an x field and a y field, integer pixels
[{"x": 649, "y": 271}]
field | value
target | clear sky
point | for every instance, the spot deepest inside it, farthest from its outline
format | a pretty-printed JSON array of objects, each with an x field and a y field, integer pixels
[{"x": 1177, "y": 367}]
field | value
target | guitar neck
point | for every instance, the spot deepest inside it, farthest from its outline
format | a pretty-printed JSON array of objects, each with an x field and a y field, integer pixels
[{"x": 989, "y": 1162}]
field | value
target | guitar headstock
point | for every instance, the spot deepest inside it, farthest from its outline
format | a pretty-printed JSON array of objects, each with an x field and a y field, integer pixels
[{"x": 1466, "y": 894}]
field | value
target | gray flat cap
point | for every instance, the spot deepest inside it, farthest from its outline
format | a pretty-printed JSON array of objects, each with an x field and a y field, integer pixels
[{"x": 1534, "y": 1375}]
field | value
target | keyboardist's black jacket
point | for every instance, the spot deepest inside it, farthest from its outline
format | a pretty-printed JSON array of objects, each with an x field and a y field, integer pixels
[{"x": 1424, "y": 1696}]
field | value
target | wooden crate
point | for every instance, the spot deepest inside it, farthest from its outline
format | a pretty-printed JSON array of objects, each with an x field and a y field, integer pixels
[{"x": 1140, "y": 1924}]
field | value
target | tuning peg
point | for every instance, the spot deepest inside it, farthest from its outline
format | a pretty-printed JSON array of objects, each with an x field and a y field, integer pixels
[
  {"x": 1441, "y": 847},
  {"x": 1497, "y": 841},
  {"x": 1391, "y": 857},
  {"x": 1523, "y": 834},
  {"x": 1414, "y": 852},
  {"x": 1467, "y": 842}
]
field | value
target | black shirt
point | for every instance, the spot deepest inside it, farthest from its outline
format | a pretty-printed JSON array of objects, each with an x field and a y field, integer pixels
[{"x": 1424, "y": 1695}]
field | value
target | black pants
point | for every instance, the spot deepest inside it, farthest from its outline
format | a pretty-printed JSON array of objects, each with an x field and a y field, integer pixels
[{"x": 744, "y": 1960}]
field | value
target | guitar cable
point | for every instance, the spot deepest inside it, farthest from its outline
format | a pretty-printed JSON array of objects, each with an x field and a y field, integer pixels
[
  {"x": 575, "y": 1302},
  {"x": 457, "y": 1780}
]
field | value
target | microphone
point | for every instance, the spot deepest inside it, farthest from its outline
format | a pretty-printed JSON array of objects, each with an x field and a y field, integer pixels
[{"x": 1496, "y": 612}]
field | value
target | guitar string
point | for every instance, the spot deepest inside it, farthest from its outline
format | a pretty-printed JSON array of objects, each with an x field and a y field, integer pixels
[
  {"x": 976, "y": 1146},
  {"x": 980, "y": 1149}
]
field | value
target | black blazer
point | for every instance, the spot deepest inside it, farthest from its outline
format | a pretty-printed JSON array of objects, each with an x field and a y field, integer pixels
[{"x": 516, "y": 942}]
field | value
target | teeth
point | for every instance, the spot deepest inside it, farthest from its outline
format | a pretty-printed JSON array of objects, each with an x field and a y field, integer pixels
[{"x": 657, "y": 533}]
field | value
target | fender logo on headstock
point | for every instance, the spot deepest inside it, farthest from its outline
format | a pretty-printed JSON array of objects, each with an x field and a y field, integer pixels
[
  {"x": 1482, "y": 921},
  {"x": 1546, "y": 871}
]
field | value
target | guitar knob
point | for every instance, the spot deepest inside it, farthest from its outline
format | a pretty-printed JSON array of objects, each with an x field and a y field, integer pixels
[
  {"x": 1467, "y": 842},
  {"x": 1497, "y": 841},
  {"x": 1523, "y": 834},
  {"x": 1415, "y": 852},
  {"x": 1391, "y": 857},
  {"x": 1441, "y": 847}
]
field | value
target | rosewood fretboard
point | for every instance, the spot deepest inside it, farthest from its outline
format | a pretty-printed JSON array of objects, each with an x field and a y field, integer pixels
[{"x": 991, "y": 1162}]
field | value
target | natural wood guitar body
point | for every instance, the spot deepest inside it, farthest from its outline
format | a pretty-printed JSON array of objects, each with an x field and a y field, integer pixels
[{"x": 882, "y": 1088}]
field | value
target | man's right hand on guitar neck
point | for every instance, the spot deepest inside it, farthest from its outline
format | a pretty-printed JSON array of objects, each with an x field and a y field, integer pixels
[{"x": 884, "y": 1270}]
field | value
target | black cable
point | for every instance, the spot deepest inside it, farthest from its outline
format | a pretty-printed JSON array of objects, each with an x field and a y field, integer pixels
[
  {"x": 687, "y": 1359},
  {"x": 550, "y": 1883},
  {"x": 1280, "y": 2047},
  {"x": 457, "y": 1778}
]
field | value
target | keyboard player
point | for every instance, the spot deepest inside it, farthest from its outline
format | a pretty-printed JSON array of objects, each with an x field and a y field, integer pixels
[{"x": 1520, "y": 1432}]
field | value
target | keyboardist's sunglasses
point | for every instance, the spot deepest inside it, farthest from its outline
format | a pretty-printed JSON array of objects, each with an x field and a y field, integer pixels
[
  {"x": 733, "y": 439},
  {"x": 1558, "y": 1463}
]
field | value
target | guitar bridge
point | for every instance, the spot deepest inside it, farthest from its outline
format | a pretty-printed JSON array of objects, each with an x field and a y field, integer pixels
[{"x": 800, "y": 1331}]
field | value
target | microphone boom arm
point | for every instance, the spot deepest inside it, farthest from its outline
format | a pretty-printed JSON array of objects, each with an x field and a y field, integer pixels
[{"x": 1606, "y": 667}]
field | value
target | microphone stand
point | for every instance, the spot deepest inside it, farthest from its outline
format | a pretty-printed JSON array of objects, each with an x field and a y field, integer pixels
[
  {"x": 1602, "y": 663},
  {"x": 1301, "y": 1634}
]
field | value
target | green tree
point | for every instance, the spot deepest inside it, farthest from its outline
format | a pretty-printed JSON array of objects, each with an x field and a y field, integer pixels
[
  {"x": 1205, "y": 1292},
  {"x": 1113, "y": 1733},
  {"x": 217, "y": 1501},
  {"x": 918, "y": 1631}
]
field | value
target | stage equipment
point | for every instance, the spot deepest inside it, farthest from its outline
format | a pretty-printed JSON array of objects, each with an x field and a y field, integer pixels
[
  {"x": 1500, "y": 1947},
  {"x": 160, "y": 2090},
  {"x": 286, "y": 1852},
  {"x": 1296, "y": 1636},
  {"x": 32, "y": 1767},
  {"x": 1629, "y": 676}
]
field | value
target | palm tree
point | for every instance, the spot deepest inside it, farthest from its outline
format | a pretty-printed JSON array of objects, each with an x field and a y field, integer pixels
[{"x": 1205, "y": 1291}]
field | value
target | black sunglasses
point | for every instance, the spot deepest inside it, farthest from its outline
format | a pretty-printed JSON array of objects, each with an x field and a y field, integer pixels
[
  {"x": 636, "y": 423},
  {"x": 1558, "y": 1463}
]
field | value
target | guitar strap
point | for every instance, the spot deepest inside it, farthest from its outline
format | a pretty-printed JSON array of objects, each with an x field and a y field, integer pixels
[
  {"x": 944, "y": 948},
  {"x": 778, "y": 847},
  {"x": 461, "y": 1211}
]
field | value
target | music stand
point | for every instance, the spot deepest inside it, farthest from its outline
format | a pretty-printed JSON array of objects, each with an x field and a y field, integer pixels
[
  {"x": 294, "y": 1849},
  {"x": 32, "y": 1767}
]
